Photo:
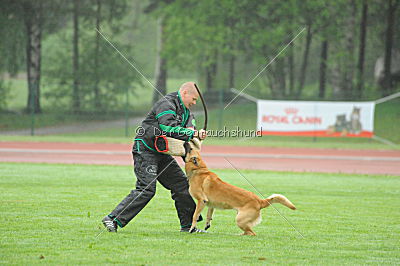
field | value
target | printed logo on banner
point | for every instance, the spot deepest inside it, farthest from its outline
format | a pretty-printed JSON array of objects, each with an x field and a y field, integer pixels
[{"x": 291, "y": 117}]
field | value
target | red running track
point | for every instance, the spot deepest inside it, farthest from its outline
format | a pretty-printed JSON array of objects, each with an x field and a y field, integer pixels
[{"x": 262, "y": 158}]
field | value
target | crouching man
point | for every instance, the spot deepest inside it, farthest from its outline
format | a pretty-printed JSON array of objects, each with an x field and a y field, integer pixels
[{"x": 170, "y": 115}]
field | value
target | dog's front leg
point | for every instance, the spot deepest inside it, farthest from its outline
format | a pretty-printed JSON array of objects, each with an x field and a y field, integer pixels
[
  {"x": 209, "y": 217},
  {"x": 199, "y": 207}
]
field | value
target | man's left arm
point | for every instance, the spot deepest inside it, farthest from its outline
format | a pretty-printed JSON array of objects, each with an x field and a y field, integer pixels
[{"x": 192, "y": 125}]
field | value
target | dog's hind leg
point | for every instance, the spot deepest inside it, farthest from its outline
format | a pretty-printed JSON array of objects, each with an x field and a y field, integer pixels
[
  {"x": 209, "y": 217},
  {"x": 246, "y": 219},
  {"x": 199, "y": 207}
]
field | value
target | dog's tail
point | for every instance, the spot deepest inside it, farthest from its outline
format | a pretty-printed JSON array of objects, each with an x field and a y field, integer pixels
[{"x": 277, "y": 198}]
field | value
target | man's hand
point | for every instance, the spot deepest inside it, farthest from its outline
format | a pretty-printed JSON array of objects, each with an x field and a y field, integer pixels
[{"x": 202, "y": 134}]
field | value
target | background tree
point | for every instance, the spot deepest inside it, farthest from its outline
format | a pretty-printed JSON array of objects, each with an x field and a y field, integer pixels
[
  {"x": 79, "y": 71},
  {"x": 322, "y": 69},
  {"x": 103, "y": 75},
  {"x": 39, "y": 17},
  {"x": 33, "y": 18},
  {"x": 12, "y": 27},
  {"x": 160, "y": 73},
  {"x": 12, "y": 60},
  {"x": 195, "y": 37},
  {"x": 76, "y": 104},
  {"x": 387, "y": 74},
  {"x": 34, "y": 22},
  {"x": 317, "y": 17},
  {"x": 98, "y": 39},
  {"x": 361, "y": 50}
]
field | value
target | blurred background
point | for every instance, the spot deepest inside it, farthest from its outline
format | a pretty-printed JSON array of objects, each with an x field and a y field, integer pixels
[{"x": 60, "y": 79}]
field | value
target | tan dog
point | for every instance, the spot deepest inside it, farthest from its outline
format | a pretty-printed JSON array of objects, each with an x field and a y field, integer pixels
[{"x": 208, "y": 189}]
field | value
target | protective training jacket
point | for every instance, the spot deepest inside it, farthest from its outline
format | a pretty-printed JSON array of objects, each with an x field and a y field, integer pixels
[{"x": 169, "y": 117}]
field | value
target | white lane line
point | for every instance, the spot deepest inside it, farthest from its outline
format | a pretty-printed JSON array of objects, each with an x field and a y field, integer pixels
[{"x": 230, "y": 155}]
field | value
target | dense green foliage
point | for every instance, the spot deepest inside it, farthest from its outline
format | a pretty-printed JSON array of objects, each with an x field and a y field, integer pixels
[
  {"x": 208, "y": 35},
  {"x": 52, "y": 215},
  {"x": 221, "y": 44},
  {"x": 116, "y": 79}
]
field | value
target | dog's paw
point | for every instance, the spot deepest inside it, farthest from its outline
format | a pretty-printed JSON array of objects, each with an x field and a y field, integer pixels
[
  {"x": 192, "y": 230},
  {"x": 207, "y": 226}
]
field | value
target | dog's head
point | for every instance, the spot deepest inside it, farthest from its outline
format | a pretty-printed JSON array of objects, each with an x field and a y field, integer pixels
[{"x": 192, "y": 156}]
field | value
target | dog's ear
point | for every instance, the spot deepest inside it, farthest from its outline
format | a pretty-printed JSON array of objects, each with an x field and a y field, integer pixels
[{"x": 187, "y": 147}]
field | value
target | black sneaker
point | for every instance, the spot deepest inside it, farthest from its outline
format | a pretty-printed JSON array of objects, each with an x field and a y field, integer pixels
[
  {"x": 194, "y": 230},
  {"x": 110, "y": 224}
]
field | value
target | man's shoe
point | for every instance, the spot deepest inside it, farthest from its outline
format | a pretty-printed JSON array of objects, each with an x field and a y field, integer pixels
[
  {"x": 110, "y": 224},
  {"x": 194, "y": 230}
]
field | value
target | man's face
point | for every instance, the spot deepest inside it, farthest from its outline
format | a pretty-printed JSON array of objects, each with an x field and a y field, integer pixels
[{"x": 189, "y": 98}]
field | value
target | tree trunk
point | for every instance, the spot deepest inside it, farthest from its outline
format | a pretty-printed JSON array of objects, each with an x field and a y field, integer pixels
[
  {"x": 275, "y": 84},
  {"x": 272, "y": 84},
  {"x": 97, "y": 101},
  {"x": 276, "y": 78},
  {"x": 335, "y": 81},
  {"x": 76, "y": 105},
  {"x": 387, "y": 78},
  {"x": 361, "y": 50},
  {"x": 322, "y": 69},
  {"x": 138, "y": 11},
  {"x": 348, "y": 71},
  {"x": 13, "y": 64},
  {"x": 303, "y": 69},
  {"x": 209, "y": 78},
  {"x": 33, "y": 23},
  {"x": 291, "y": 69},
  {"x": 214, "y": 67},
  {"x": 160, "y": 74},
  {"x": 281, "y": 76},
  {"x": 211, "y": 72},
  {"x": 232, "y": 60}
]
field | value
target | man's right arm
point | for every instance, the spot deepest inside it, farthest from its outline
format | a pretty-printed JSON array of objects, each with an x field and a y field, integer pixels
[{"x": 167, "y": 119}]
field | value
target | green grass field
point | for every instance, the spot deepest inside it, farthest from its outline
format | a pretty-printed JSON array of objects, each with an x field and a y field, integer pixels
[{"x": 51, "y": 214}]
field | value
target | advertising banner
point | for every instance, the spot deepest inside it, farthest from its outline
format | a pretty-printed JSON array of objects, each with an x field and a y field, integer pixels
[{"x": 319, "y": 119}]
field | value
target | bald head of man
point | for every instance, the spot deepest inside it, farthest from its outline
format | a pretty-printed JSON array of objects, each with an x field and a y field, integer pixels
[{"x": 189, "y": 94}]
